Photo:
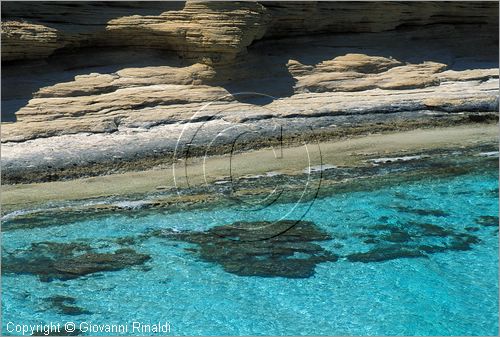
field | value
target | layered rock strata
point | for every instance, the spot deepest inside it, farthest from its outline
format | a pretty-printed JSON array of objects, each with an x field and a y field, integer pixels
[{"x": 88, "y": 85}]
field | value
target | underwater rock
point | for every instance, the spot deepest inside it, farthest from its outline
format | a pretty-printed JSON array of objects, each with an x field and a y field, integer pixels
[
  {"x": 65, "y": 305},
  {"x": 265, "y": 249},
  {"x": 397, "y": 235},
  {"x": 456, "y": 242},
  {"x": 65, "y": 261},
  {"x": 432, "y": 230},
  {"x": 411, "y": 241},
  {"x": 487, "y": 220},
  {"x": 126, "y": 241},
  {"x": 462, "y": 241},
  {"x": 431, "y": 249},
  {"x": 493, "y": 192},
  {"x": 420, "y": 211},
  {"x": 380, "y": 254},
  {"x": 417, "y": 229}
]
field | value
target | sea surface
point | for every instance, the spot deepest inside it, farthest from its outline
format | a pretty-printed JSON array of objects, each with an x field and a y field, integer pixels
[{"x": 448, "y": 291}]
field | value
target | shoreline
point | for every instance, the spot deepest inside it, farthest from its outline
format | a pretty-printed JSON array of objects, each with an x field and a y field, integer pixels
[
  {"x": 353, "y": 152},
  {"x": 89, "y": 155},
  {"x": 251, "y": 168}
]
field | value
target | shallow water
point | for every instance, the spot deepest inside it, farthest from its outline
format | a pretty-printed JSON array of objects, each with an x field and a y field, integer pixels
[{"x": 453, "y": 292}]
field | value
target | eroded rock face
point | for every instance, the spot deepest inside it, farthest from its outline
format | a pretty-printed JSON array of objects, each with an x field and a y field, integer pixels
[
  {"x": 301, "y": 18},
  {"x": 216, "y": 31},
  {"x": 21, "y": 40},
  {"x": 125, "y": 78},
  {"x": 212, "y": 29},
  {"x": 358, "y": 72},
  {"x": 265, "y": 249},
  {"x": 66, "y": 261}
]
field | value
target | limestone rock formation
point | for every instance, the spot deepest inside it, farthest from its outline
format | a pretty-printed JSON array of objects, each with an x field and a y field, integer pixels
[
  {"x": 127, "y": 77},
  {"x": 211, "y": 30},
  {"x": 357, "y": 72},
  {"x": 21, "y": 40}
]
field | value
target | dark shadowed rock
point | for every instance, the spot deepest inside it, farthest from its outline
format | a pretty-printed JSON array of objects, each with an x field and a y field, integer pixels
[
  {"x": 487, "y": 220},
  {"x": 493, "y": 192},
  {"x": 462, "y": 241},
  {"x": 266, "y": 249},
  {"x": 422, "y": 212},
  {"x": 66, "y": 305},
  {"x": 380, "y": 254},
  {"x": 411, "y": 240},
  {"x": 397, "y": 235},
  {"x": 483, "y": 117},
  {"x": 431, "y": 249},
  {"x": 428, "y": 229},
  {"x": 65, "y": 261}
]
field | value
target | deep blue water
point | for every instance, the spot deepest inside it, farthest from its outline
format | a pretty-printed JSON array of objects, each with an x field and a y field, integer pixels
[{"x": 446, "y": 293}]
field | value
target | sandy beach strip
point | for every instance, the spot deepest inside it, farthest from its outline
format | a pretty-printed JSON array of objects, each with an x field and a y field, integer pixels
[{"x": 355, "y": 151}]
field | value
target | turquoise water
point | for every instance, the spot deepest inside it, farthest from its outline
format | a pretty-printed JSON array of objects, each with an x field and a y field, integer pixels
[{"x": 454, "y": 292}]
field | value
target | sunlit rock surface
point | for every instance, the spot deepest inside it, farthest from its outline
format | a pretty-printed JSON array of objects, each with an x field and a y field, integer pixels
[{"x": 85, "y": 78}]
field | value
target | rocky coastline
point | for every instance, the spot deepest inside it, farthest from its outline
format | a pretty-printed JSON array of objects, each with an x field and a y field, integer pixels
[{"x": 91, "y": 89}]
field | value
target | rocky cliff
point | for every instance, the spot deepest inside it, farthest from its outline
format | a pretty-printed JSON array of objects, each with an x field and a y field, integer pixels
[{"x": 102, "y": 85}]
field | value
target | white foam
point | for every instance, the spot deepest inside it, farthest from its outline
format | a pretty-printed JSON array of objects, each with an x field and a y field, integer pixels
[
  {"x": 221, "y": 182},
  {"x": 319, "y": 168},
  {"x": 130, "y": 204},
  {"x": 267, "y": 174},
  {"x": 393, "y": 159},
  {"x": 15, "y": 214},
  {"x": 489, "y": 154}
]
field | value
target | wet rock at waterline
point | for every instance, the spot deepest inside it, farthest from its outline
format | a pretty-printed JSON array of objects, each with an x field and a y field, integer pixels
[
  {"x": 266, "y": 249},
  {"x": 66, "y": 305},
  {"x": 65, "y": 261}
]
